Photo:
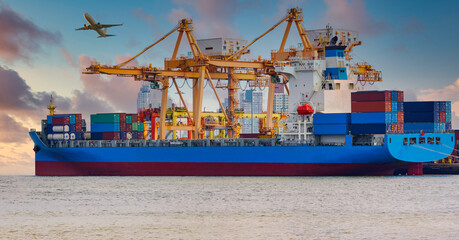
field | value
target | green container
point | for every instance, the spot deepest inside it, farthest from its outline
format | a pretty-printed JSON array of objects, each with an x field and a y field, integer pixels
[
  {"x": 134, "y": 127},
  {"x": 128, "y": 119},
  {"x": 140, "y": 127},
  {"x": 105, "y": 118}
]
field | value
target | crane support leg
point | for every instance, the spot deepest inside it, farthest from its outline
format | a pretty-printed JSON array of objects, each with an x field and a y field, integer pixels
[
  {"x": 198, "y": 91},
  {"x": 162, "y": 114},
  {"x": 269, "y": 111}
]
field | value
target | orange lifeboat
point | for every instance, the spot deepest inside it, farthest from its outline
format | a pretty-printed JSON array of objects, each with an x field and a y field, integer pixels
[{"x": 305, "y": 109}]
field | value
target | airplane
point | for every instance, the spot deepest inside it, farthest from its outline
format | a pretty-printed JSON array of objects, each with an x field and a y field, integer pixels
[{"x": 97, "y": 26}]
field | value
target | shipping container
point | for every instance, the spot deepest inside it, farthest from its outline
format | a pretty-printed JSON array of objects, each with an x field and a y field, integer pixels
[
  {"x": 421, "y": 117},
  {"x": 135, "y": 135},
  {"x": 122, "y": 117},
  {"x": 134, "y": 118},
  {"x": 140, "y": 135},
  {"x": 448, "y": 106},
  {"x": 377, "y": 117},
  {"x": 330, "y": 129},
  {"x": 128, "y": 127},
  {"x": 60, "y": 120},
  {"x": 111, "y": 136},
  {"x": 140, "y": 127},
  {"x": 400, "y": 107},
  {"x": 371, "y": 106},
  {"x": 122, "y": 126},
  {"x": 400, "y": 96},
  {"x": 371, "y": 96},
  {"x": 329, "y": 118},
  {"x": 135, "y": 127},
  {"x": 421, "y": 106},
  {"x": 105, "y": 118},
  {"x": 123, "y": 135},
  {"x": 394, "y": 107},
  {"x": 448, "y": 117},
  {"x": 129, "y": 119},
  {"x": 394, "y": 117},
  {"x": 105, "y": 127},
  {"x": 427, "y": 127},
  {"x": 394, "y": 96},
  {"x": 379, "y": 128},
  {"x": 401, "y": 117},
  {"x": 448, "y": 128},
  {"x": 96, "y": 135}
]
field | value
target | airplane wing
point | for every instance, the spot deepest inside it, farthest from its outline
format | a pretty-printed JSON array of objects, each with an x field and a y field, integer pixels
[
  {"x": 83, "y": 28},
  {"x": 110, "y": 25},
  {"x": 106, "y": 35}
]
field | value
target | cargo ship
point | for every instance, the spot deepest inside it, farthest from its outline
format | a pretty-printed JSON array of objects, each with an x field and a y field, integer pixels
[{"x": 335, "y": 125}]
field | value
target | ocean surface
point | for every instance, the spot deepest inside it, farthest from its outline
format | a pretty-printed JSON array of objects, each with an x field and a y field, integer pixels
[{"x": 408, "y": 207}]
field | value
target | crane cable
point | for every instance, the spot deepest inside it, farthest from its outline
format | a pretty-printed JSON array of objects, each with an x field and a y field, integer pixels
[{"x": 165, "y": 36}]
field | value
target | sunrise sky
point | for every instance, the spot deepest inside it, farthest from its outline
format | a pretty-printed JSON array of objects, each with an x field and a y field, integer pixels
[{"x": 414, "y": 43}]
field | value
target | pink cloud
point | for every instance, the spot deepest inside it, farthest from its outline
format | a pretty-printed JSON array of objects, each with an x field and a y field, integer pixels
[
  {"x": 351, "y": 14},
  {"x": 20, "y": 37},
  {"x": 68, "y": 57}
]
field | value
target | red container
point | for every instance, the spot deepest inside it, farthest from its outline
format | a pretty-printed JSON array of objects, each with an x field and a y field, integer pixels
[
  {"x": 78, "y": 127},
  {"x": 140, "y": 135},
  {"x": 377, "y": 106},
  {"x": 122, "y": 118},
  {"x": 61, "y": 120},
  {"x": 442, "y": 117},
  {"x": 111, "y": 136},
  {"x": 128, "y": 127},
  {"x": 123, "y": 126},
  {"x": 400, "y": 96},
  {"x": 401, "y": 117},
  {"x": 371, "y": 96}
]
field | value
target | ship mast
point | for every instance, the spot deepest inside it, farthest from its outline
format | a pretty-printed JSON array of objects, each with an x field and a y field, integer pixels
[{"x": 51, "y": 107}]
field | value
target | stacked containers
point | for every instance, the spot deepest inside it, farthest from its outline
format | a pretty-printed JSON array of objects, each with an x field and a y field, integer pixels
[
  {"x": 65, "y": 127},
  {"x": 377, "y": 112},
  {"x": 331, "y": 123},
  {"x": 429, "y": 117},
  {"x": 114, "y": 126}
]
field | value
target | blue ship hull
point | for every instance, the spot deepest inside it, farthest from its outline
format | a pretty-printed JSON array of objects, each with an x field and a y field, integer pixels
[{"x": 244, "y": 161}]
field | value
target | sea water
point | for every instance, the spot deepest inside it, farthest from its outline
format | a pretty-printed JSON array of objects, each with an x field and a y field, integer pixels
[{"x": 413, "y": 207}]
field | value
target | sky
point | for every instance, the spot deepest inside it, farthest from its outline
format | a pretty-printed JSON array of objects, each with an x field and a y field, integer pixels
[{"x": 414, "y": 44}]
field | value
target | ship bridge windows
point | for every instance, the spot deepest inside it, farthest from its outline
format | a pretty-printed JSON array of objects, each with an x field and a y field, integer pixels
[
  {"x": 430, "y": 140},
  {"x": 422, "y": 140},
  {"x": 412, "y": 141},
  {"x": 437, "y": 140},
  {"x": 338, "y": 86},
  {"x": 351, "y": 86},
  {"x": 405, "y": 141}
]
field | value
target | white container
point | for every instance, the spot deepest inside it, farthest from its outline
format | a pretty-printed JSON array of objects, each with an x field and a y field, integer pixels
[
  {"x": 58, "y": 136},
  {"x": 87, "y": 136},
  {"x": 66, "y": 136},
  {"x": 64, "y": 128},
  {"x": 72, "y": 136},
  {"x": 129, "y": 136},
  {"x": 50, "y": 136}
]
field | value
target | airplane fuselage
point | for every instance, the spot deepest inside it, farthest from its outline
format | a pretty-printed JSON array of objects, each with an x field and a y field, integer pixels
[{"x": 93, "y": 25}]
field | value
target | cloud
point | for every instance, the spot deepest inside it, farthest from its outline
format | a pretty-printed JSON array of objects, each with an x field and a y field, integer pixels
[
  {"x": 120, "y": 93},
  {"x": 68, "y": 57},
  {"x": 214, "y": 18},
  {"x": 413, "y": 25},
  {"x": 20, "y": 37},
  {"x": 351, "y": 14},
  {"x": 11, "y": 130},
  {"x": 149, "y": 19},
  {"x": 448, "y": 93}
]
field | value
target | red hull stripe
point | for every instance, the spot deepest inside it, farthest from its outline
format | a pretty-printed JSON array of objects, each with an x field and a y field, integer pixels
[{"x": 56, "y": 168}]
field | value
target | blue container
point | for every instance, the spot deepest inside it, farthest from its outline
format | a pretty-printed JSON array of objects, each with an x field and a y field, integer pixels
[
  {"x": 96, "y": 135},
  {"x": 331, "y": 118},
  {"x": 422, "y": 117},
  {"x": 49, "y": 118},
  {"x": 122, "y": 135},
  {"x": 394, "y": 118},
  {"x": 448, "y": 106},
  {"x": 421, "y": 106},
  {"x": 448, "y": 127},
  {"x": 373, "y": 117},
  {"x": 428, "y": 127},
  {"x": 379, "y": 128},
  {"x": 72, "y": 128},
  {"x": 400, "y": 107},
  {"x": 105, "y": 127},
  {"x": 394, "y": 106},
  {"x": 331, "y": 129},
  {"x": 442, "y": 106},
  {"x": 135, "y": 135},
  {"x": 448, "y": 117},
  {"x": 394, "y": 96}
]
